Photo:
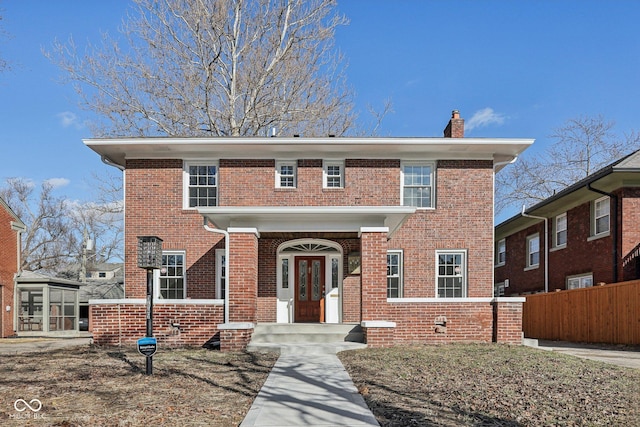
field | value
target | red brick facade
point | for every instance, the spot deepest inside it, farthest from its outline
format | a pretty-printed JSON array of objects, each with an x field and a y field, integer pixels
[
  {"x": 461, "y": 220},
  {"x": 9, "y": 260}
]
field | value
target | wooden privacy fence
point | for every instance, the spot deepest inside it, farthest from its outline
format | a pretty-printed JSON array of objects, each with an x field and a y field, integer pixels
[{"x": 601, "y": 314}]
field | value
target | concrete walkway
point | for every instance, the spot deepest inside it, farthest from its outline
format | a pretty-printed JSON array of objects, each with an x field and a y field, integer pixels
[
  {"x": 615, "y": 355},
  {"x": 308, "y": 386},
  {"x": 33, "y": 345}
]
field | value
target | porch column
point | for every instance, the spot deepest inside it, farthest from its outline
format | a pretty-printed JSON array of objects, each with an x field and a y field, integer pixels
[
  {"x": 378, "y": 330},
  {"x": 242, "y": 289}
]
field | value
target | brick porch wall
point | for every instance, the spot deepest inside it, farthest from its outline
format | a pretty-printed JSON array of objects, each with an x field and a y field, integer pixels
[
  {"x": 8, "y": 268},
  {"x": 508, "y": 322},
  {"x": 442, "y": 322},
  {"x": 124, "y": 323}
]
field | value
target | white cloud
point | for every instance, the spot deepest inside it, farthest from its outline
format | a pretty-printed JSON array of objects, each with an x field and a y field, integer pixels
[
  {"x": 69, "y": 119},
  {"x": 483, "y": 118},
  {"x": 57, "y": 182}
]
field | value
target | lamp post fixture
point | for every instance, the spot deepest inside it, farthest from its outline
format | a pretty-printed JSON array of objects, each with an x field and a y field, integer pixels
[{"x": 149, "y": 258}]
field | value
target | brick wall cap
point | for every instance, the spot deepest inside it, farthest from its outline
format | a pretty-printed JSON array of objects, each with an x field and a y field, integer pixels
[
  {"x": 454, "y": 300},
  {"x": 236, "y": 326},
  {"x": 377, "y": 324},
  {"x": 157, "y": 301}
]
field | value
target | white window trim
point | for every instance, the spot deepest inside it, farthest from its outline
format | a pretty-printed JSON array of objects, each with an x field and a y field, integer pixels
[
  {"x": 400, "y": 252},
  {"x": 219, "y": 265},
  {"x": 555, "y": 231},
  {"x": 595, "y": 235},
  {"x": 527, "y": 253},
  {"x": 156, "y": 276},
  {"x": 431, "y": 163},
  {"x": 499, "y": 263},
  {"x": 185, "y": 179},
  {"x": 580, "y": 277},
  {"x": 465, "y": 267},
  {"x": 280, "y": 163},
  {"x": 325, "y": 166}
]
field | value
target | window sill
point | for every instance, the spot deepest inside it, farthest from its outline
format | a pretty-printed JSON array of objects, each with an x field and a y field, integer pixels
[
  {"x": 532, "y": 267},
  {"x": 598, "y": 236},
  {"x": 332, "y": 189},
  {"x": 499, "y": 265},
  {"x": 286, "y": 188},
  {"x": 558, "y": 248}
]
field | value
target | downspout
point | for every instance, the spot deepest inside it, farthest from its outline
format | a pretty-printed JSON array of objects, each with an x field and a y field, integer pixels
[
  {"x": 546, "y": 247},
  {"x": 226, "y": 265},
  {"x": 614, "y": 227}
]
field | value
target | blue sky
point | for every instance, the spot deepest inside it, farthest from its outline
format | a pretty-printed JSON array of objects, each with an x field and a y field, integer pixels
[{"x": 513, "y": 68}]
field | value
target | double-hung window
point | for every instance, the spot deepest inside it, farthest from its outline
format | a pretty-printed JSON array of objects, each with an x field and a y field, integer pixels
[
  {"x": 533, "y": 250},
  {"x": 201, "y": 184},
  {"x": 394, "y": 274},
  {"x": 601, "y": 216},
  {"x": 501, "y": 252},
  {"x": 451, "y": 274},
  {"x": 417, "y": 184},
  {"x": 333, "y": 174},
  {"x": 286, "y": 174},
  {"x": 172, "y": 276},
  {"x": 561, "y": 231}
]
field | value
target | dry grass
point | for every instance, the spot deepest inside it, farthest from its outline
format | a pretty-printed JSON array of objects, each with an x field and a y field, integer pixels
[
  {"x": 92, "y": 386},
  {"x": 492, "y": 385}
]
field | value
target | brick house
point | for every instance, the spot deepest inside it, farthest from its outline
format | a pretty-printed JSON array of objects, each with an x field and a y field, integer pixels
[
  {"x": 394, "y": 234},
  {"x": 10, "y": 229},
  {"x": 588, "y": 232}
]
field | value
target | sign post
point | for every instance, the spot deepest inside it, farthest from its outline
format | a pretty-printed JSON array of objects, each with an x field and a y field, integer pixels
[{"x": 149, "y": 258}]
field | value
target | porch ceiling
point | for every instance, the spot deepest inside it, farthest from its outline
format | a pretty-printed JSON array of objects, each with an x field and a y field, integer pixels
[{"x": 308, "y": 218}]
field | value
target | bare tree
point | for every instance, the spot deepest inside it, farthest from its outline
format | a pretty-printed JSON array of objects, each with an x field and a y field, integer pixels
[
  {"x": 58, "y": 227},
  {"x": 216, "y": 68},
  {"x": 582, "y": 146}
]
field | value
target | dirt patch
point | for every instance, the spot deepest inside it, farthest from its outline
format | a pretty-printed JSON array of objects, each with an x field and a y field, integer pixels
[
  {"x": 93, "y": 386},
  {"x": 492, "y": 385}
]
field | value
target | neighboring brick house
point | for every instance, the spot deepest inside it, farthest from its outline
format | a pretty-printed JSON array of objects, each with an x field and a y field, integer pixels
[
  {"x": 592, "y": 235},
  {"x": 10, "y": 229},
  {"x": 395, "y": 234}
]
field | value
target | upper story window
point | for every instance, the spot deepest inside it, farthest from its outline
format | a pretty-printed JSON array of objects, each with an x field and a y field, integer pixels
[
  {"x": 417, "y": 184},
  {"x": 394, "y": 274},
  {"x": 600, "y": 224},
  {"x": 533, "y": 250},
  {"x": 286, "y": 174},
  {"x": 451, "y": 274},
  {"x": 501, "y": 252},
  {"x": 560, "y": 232},
  {"x": 172, "y": 276},
  {"x": 333, "y": 174},
  {"x": 201, "y": 184}
]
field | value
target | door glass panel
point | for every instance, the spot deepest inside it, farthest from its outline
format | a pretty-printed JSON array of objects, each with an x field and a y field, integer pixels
[
  {"x": 302, "y": 280},
  {"x": 315, "y": 271}
]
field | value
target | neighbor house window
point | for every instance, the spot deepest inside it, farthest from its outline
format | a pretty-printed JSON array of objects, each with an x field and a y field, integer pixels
[
  {"x": 582, "y": 281},
  {"x": 221, "y": 274},
  {"x": 394, "y": 274},
  {"x": 601, "y": 216},
  {"x": 561, "y": 230},
  {"x": 172, "y": 276},
  {"x": 451, "y": 274},
  {"x": 286, "y": 174},
  {"x": 501, "y": 252},
  {"x": 201, "y": 184},
  {"x": 417, "y": 184},
  {"x": 533, "y": 250},
  {"x": 333, "y": 174},
  {"x": 498, "y": 289}
]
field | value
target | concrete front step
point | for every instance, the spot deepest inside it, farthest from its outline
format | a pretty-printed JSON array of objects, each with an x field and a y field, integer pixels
[{"x": 276, "y": 335}]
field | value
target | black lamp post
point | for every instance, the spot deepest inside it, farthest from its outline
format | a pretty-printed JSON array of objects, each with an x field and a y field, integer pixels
[{"x": 149, "y": 258}]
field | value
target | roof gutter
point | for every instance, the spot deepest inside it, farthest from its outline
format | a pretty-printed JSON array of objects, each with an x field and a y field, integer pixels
[
  {"x": 614, "y": 227},
  {"x": 546, "y": 247}
]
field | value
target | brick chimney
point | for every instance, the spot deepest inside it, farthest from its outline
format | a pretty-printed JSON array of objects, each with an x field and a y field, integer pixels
[{"x": 455, "y": 127}]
